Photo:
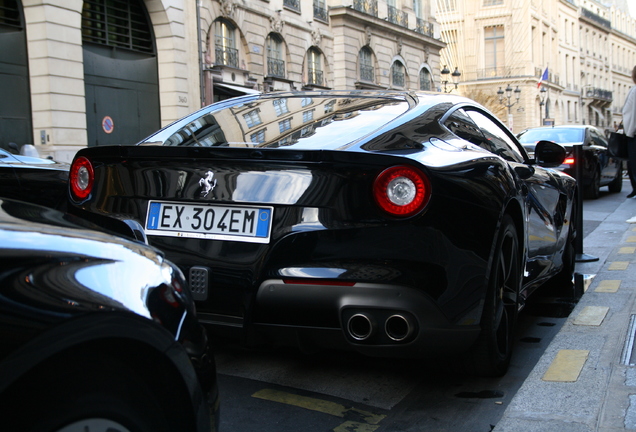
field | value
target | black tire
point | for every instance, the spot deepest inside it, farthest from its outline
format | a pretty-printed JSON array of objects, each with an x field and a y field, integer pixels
[
  {"x": 617, "y": 184},
  {"x": 94, "y": 390},
  {"x": 592, "y": 190},
  {"x": 490, "y": 356}
]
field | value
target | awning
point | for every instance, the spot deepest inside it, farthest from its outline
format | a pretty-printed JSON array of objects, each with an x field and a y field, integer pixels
[{"x": 237, "y": 89}]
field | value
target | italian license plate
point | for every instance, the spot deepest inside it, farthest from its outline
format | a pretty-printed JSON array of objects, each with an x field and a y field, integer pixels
[{"x": 208, "y": 221}]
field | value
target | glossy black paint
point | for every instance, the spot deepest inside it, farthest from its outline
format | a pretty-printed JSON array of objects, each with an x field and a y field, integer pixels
[
  {"x": 68, "y": 293},
  {"x": 332, "y": 250},
  {"x": 599, "y": 168},
  {"x": 36, "y": 180}
]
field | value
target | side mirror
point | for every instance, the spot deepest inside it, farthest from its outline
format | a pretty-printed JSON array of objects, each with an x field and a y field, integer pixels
[{"x": 549, "y": 154}]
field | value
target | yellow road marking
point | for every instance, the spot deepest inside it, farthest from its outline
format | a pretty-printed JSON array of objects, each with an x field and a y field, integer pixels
[
  {"x": 314, "y": 404},
  {"x": 608, "y": 286},
  {"x": 627, "y": 250},
  {"x": 631, "y": 239},
  {"x": 566, "y": 366},
  {"x": 591, "y": 316},
  {"x": 619, "y": 265}
]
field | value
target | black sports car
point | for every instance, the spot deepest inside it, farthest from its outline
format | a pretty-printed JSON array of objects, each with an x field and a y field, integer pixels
[
  {"x": 96, "y": 332},
  {"x": 598, "y": 169},
  {"x": 392, "y": 223},
  {"x": 37, "y": 180}
]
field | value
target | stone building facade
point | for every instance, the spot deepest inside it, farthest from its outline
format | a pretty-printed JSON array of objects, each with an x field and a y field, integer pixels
[
  {"x": 96, "y": 72},
  {"x": 585, "y": 48}
]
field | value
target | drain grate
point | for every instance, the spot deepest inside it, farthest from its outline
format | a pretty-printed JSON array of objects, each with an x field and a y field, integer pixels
[{"x": 628, "y": 349}]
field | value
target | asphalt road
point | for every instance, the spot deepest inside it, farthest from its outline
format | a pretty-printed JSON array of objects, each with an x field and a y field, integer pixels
[{"x": 285, "y": 390}]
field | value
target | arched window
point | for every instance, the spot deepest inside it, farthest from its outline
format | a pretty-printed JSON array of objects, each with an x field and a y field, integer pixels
[
  {"x": 425, "y": 80},
  {"x": 275, "y": 62},
  {"x": 366, "y": 65},
  {"x": 397, "y": 74},
  {"x": 314, "y": 67},
  {"x": 225, "y": 51}
]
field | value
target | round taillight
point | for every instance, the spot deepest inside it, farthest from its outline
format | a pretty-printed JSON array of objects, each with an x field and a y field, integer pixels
[
  {"x": 402, "y": 191},
  {"x": 81, "y": 178}
]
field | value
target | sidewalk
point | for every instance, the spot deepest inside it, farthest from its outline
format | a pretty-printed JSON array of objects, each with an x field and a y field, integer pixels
[{"x": 584, "y": 380}]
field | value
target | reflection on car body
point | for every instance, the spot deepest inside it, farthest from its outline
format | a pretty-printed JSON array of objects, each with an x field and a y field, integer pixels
[
  {"x": 97, "y": 331},
  {"x": 399, "y": 224}
]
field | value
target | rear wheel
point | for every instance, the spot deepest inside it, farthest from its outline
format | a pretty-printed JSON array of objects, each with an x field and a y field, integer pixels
[
  {"x": 490, "y": 356},
  {"x": 96, "y": 392}
]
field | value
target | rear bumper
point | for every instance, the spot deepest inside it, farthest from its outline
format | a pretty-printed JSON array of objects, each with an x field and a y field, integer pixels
[{"x": 373, "y": 319}]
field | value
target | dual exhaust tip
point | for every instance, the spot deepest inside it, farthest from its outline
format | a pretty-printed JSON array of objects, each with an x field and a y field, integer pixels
[{"x": 397, "y": 327}]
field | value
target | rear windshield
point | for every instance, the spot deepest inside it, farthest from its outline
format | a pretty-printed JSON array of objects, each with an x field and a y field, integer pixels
[
  {"x": 558, "y": 135},
  {"x": 298, "y": 122}
]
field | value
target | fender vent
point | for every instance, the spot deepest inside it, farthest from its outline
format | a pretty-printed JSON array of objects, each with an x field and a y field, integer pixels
[{"x": 198, "y": 280}]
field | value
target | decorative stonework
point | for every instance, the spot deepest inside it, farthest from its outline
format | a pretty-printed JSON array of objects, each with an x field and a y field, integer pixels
[
  {"x": 367, "y": 35},
  {"x": 277, "y": 23},
  {"x": 399, "y": 45},
  {"x": 227, "y": 8},
  {"x": 316, "y": 37}
]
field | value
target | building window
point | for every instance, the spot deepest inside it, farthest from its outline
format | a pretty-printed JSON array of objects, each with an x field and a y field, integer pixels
[
  {"x": 493, "y": 2},
  {"x": 314, "y": 68},
  {"x": 366, "y": 65},
  {"x": 122, "y": 24},
  {"x": 308, "y": 116},
  {"x": 397, "y": 74},
  {"x": 306, "y": 101},
  {"x": 258, "y": 137},
  {"x": 425, "y": 80},
  {"x": 447, "y": 5},
  {"x": 224, "y": 44},
  {"x": 320, "y": 10},
  {"x": 292, "y": 4},
  {"x": 280, "y": 105},
  {"x": 252, "y": 118},
  {"x": 329, "y": 106},
  {"x": 275, "y": 62},
  {"x": 494, "y": 49},
  {"x": 284, "y": 125}
]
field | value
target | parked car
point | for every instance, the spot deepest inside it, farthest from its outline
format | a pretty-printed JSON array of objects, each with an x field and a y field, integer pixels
[
  {"x": 96, "y": 332},
  {"x": 33, "y": 179},
  {"x": 391, "y": 223},
  {"x": 598, "y": 169}
]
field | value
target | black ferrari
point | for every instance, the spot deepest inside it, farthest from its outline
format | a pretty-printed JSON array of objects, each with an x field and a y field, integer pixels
[{"x": 392, "y": 223}]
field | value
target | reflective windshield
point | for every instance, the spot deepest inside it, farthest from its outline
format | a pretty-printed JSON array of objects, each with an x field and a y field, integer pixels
[
  {"x": 291, "y": 121},
  {"x": 558, "y": 135}
]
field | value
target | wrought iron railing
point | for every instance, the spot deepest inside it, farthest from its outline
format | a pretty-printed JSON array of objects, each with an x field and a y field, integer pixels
[
  {"x": 424, "y": 27},
  {"x": 397, "y": 77},
  {"x": 366, "y": 73},
  {"x": 275, "y": 67},
  {"x": 367, "y": 6},
  {"x": 226, "y": 56},
  {"x": 398, "y": 17},
  {"x": 314, "y": 76}
]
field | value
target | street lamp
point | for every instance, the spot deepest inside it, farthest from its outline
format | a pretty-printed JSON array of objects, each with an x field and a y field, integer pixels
[
  {"x": 454, "y": 76},
  {"x": 542, "y": 93},
  {"x": 507, "y": 102}
]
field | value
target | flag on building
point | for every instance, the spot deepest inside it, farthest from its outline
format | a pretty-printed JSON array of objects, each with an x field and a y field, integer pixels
[{"x": 544, "y": 77}]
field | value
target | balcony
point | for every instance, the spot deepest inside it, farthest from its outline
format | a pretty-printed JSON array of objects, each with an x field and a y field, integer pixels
[
  {"x": 275, "y": 68},
  {"x": 424, "y": 27},
  {"x": 226, "y": 56},
  {"x": 369, "y": 7},
  {"x": 598, "y": 94},
  {"x": 398, "y": 17}
]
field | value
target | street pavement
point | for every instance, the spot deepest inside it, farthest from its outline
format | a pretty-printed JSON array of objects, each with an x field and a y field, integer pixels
[{"x": 586, "y": 379}]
